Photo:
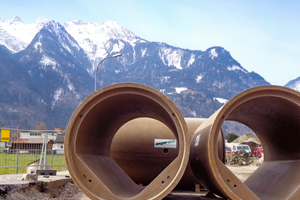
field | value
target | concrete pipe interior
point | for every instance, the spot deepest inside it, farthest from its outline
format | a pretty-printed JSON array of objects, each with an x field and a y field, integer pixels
[
  {"x": 273, "y": 113},
  {"x": 90, "y": 133},
  {"x": 147, "y": 145}
]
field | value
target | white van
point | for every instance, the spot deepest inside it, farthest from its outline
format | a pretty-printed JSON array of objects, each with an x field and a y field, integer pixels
[{"x": 240, "y": 147}]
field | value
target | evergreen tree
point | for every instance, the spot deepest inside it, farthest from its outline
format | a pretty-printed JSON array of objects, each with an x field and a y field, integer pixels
[{"x": 231, "y": 137}]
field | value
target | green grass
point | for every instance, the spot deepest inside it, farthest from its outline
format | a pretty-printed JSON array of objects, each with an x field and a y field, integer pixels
[{"x": 25, "y": 159}]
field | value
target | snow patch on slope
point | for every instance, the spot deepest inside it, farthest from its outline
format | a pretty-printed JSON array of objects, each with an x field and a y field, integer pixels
[
  {"x": 213, "y": 54},
  {"x": 235, "y": 67},
  {"x": 117, "y": 47},
  {"x": 194, "y": 114},
  {"x": 221, "y": 100},
  {"x": 46, "y": 61},
  {"x": 172, "y": 56},
  {"x": 192, "y": 59},
  {"x": 56, "y": 96},
  {"x": 144, "y": 51},
  {"x": 199, "y": 78},
  {"x": 180, "y": 89}
]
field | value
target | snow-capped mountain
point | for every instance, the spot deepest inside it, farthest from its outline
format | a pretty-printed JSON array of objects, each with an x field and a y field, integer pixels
[
  {"x": 94, "y": 38},
  {"x": 15, "y": 35},
  {"x": 199, "y": 82},
  {"x": 53, "y": 50},
  {"x": 57, "y": 68},
  {"x": 294, "y": 84}
]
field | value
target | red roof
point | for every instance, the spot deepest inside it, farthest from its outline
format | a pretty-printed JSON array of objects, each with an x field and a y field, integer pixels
[
  {"x": 20, "y": 141},
  {"x": 31, "y": 141}
]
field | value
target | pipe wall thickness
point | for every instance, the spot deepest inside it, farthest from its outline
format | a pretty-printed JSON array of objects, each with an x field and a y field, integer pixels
[
  {"x": 92, "y": 128},
  {"x": 273, "y": 113}
]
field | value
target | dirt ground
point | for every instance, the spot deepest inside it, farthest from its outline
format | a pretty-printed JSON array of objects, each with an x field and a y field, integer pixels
[{"x": 242, "y": 172}]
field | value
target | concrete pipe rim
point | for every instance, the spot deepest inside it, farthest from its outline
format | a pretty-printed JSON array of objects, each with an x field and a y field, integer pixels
[
  {"x": 133, "y": 95},
  {"x": 283, "y": 94}
]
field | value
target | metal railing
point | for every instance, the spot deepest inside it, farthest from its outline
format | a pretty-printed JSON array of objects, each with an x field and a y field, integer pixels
[{"x": 31, "y": 148}]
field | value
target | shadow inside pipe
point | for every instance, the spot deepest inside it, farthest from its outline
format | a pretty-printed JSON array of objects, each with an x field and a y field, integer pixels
[{"x": 143, "y": 148}]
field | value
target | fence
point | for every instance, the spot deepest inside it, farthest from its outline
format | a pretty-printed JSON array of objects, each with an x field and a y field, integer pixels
[{"x": 21, "y": 148}]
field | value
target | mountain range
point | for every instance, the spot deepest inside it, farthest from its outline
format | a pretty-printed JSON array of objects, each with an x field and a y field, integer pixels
[{"x": 48, "y": 68}]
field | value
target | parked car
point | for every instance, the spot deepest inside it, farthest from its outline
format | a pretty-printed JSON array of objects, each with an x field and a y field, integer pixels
[
  {"x": 258, "y": 151},
  {"x": 240, "y": 147},
  {"x": 228, "y": 150}
]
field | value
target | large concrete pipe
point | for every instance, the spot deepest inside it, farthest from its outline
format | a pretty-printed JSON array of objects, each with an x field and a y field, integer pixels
[
  {"x": 143, "y": 147},
  {"x": 273, "y": 113},
  {"x": 91, "y": 130}
]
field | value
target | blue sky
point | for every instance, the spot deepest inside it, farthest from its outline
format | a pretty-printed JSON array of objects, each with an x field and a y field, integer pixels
[{"x": 263, "y": 36}]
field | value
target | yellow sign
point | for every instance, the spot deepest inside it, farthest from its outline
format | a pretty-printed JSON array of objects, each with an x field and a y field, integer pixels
[{"x": 5, "y": 135}]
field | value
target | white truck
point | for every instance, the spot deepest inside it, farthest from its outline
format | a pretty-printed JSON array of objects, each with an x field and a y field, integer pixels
[{"x": 238, "y": 147}]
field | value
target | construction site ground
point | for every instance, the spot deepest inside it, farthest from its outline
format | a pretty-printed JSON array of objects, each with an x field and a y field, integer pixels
[{"x": 61, "y": 186}]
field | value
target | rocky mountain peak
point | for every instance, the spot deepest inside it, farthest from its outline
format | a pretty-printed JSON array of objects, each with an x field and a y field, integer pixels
[{"x": 58, "y": 63}]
